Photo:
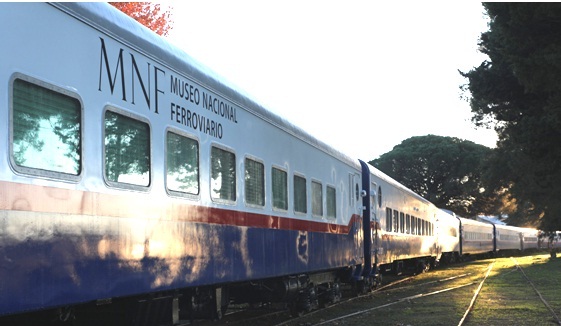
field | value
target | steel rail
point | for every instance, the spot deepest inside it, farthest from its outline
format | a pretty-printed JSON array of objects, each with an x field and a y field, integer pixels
[
  {"x": 416, "y": 296},
  {"x": 537, "y": 292},
  {"x": 476, "y": 294}
]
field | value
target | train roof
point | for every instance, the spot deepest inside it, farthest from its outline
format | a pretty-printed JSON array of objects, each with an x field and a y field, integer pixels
[
  {"x": 381, "y": 175},
  {"x": 126, "y": 30}
]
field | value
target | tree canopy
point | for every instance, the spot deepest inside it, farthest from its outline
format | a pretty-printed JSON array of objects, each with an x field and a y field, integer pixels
[
  {"x": 518, "y": 92},
  {"x": 443, "y": 170},
  {"x": 148, "y": 14}
]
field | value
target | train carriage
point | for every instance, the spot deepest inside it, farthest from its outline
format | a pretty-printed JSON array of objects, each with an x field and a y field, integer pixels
[
  {"x": 530, "y": 239},
  {"x": 402, "y": 225},
  {"x": 131, "y": 172},
  {"x": 508, "y": 238},
  {"x": 129, "y": 168},
  {"x": 448, "y": 235},
  {"x": 476, "y": 237}
]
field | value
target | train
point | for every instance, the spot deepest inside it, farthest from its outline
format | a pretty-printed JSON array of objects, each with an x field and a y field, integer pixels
[{"x": 131, "y": 172}]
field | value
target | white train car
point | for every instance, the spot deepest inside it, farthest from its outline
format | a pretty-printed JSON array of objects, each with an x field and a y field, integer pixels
[
  {"x": 530, "y": 238},
  {"x": 508, "y": 238},
  {"x": 128, "y": 168},
  {"x": 448, "y": 233},
  {"x": 476, "y": 237},
  {"x": 404, "y": 235}
]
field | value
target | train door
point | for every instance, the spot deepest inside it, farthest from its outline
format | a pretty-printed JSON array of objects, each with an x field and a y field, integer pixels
[
  {"x": 355, "y": 201},
  {"x": 369, "y": 217},
  {"x": 375, "y": 196},
  {"x": 436, "y": 233}
]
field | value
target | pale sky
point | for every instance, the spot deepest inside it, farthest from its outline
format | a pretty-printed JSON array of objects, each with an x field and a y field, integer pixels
[{"x": 361, "y": 76}]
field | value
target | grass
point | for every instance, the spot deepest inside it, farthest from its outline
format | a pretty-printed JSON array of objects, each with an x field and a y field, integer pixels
[
  {"x": 505, "y": 299},
  {"x": 508, "y": 298}
]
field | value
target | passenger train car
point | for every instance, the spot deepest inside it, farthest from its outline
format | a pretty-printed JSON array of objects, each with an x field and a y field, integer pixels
[
  {"x": 130, "y": 172},
  {"x": 402, "y": 226},
  {"x": 128, "y": 168}
]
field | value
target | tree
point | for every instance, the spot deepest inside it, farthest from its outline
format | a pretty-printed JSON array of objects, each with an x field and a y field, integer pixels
[
  {"x": 148, "y": 14},
  {"x": 518, "y": 91},
  {"x": 443, "y": 170}
]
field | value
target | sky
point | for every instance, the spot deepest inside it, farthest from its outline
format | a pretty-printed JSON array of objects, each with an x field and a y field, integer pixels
[{"x": 362, "y": 76}]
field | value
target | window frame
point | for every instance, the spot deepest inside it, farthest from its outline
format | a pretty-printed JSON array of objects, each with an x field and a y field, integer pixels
[
  {"x": 389, "y": 219},
  {"x": 264, "y": 188},
  {"x": 285, "y": 171},
  {"x": 123, "y": 185},
  {"x": 294, "y": 176},
  {"x": 320, "y": 184},
  {"x": 236, "y": 173},
  {"x": 395, "y": 227},
  {"x": 327, "y": 200},
  {"x": 37, "y": 172},
  {"x": 407, "y": 224},
  {"x": 176, "y": 193}
]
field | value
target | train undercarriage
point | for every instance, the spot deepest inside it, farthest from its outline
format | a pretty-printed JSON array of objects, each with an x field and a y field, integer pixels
[{"x": 297, "y": 293}]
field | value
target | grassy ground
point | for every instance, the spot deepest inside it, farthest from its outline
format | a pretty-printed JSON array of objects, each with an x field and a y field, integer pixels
[{"x": 506, "y": 297}]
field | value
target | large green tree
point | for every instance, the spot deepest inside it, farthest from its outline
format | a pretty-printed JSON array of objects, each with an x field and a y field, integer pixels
[
  {"x": 518, "y": 91},
  {"x": 444, "y": 170}
]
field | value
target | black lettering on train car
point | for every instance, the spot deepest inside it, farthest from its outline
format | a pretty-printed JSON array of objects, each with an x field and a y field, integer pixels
[
  {"x": 219, "y": 107},
  {"x": 186, "y": 117},
  {"x": 184, "y": 90},
  {"x": 135, "y": 71}
]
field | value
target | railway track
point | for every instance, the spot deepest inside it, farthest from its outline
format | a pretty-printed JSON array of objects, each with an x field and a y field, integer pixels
[
  {"x": 281, "y": 316},
  {"x": 498, "y": 292},
  {"x": 538, "y": 293}
]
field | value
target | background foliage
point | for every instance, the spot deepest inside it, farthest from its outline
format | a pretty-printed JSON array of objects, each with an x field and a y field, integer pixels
[
  {"x": 148, "y": 14},
  {"x": 518, "y": 92},
  {"x": 444, "y": 170}
]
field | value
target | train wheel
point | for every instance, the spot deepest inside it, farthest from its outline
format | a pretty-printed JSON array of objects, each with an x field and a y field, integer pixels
[
  {"x": 360, "y": 288},
  {"x": 379, "y": 280},
  {"x": 306, "y": 301},
  {"x": 331, "y": 295},
  {"x": 422, "y": 267}
]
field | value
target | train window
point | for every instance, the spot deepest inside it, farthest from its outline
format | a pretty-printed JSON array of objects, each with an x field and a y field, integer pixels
[
  {"x": 395, "y": 221},
  {"x": 182, "y": 164},
  {"x": 46, "y": 130},
  {"x": 317, "y": 199},
  {"x": 300, "y": 195},
  {"x": 401, "y": 222},
  {"x": 223, "y": 174},
  {"x": 413, "y": 225},
  {"x": 379, "y": 196},
  {"x": 127, "y": 150},
  {"x": 254, "y": 182},
  {"x": 280, "y": 189},
  {"x": 389, "y": 219},
  {"x": 407, "y": 223},
  {"x": 331, "y": 201}
]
